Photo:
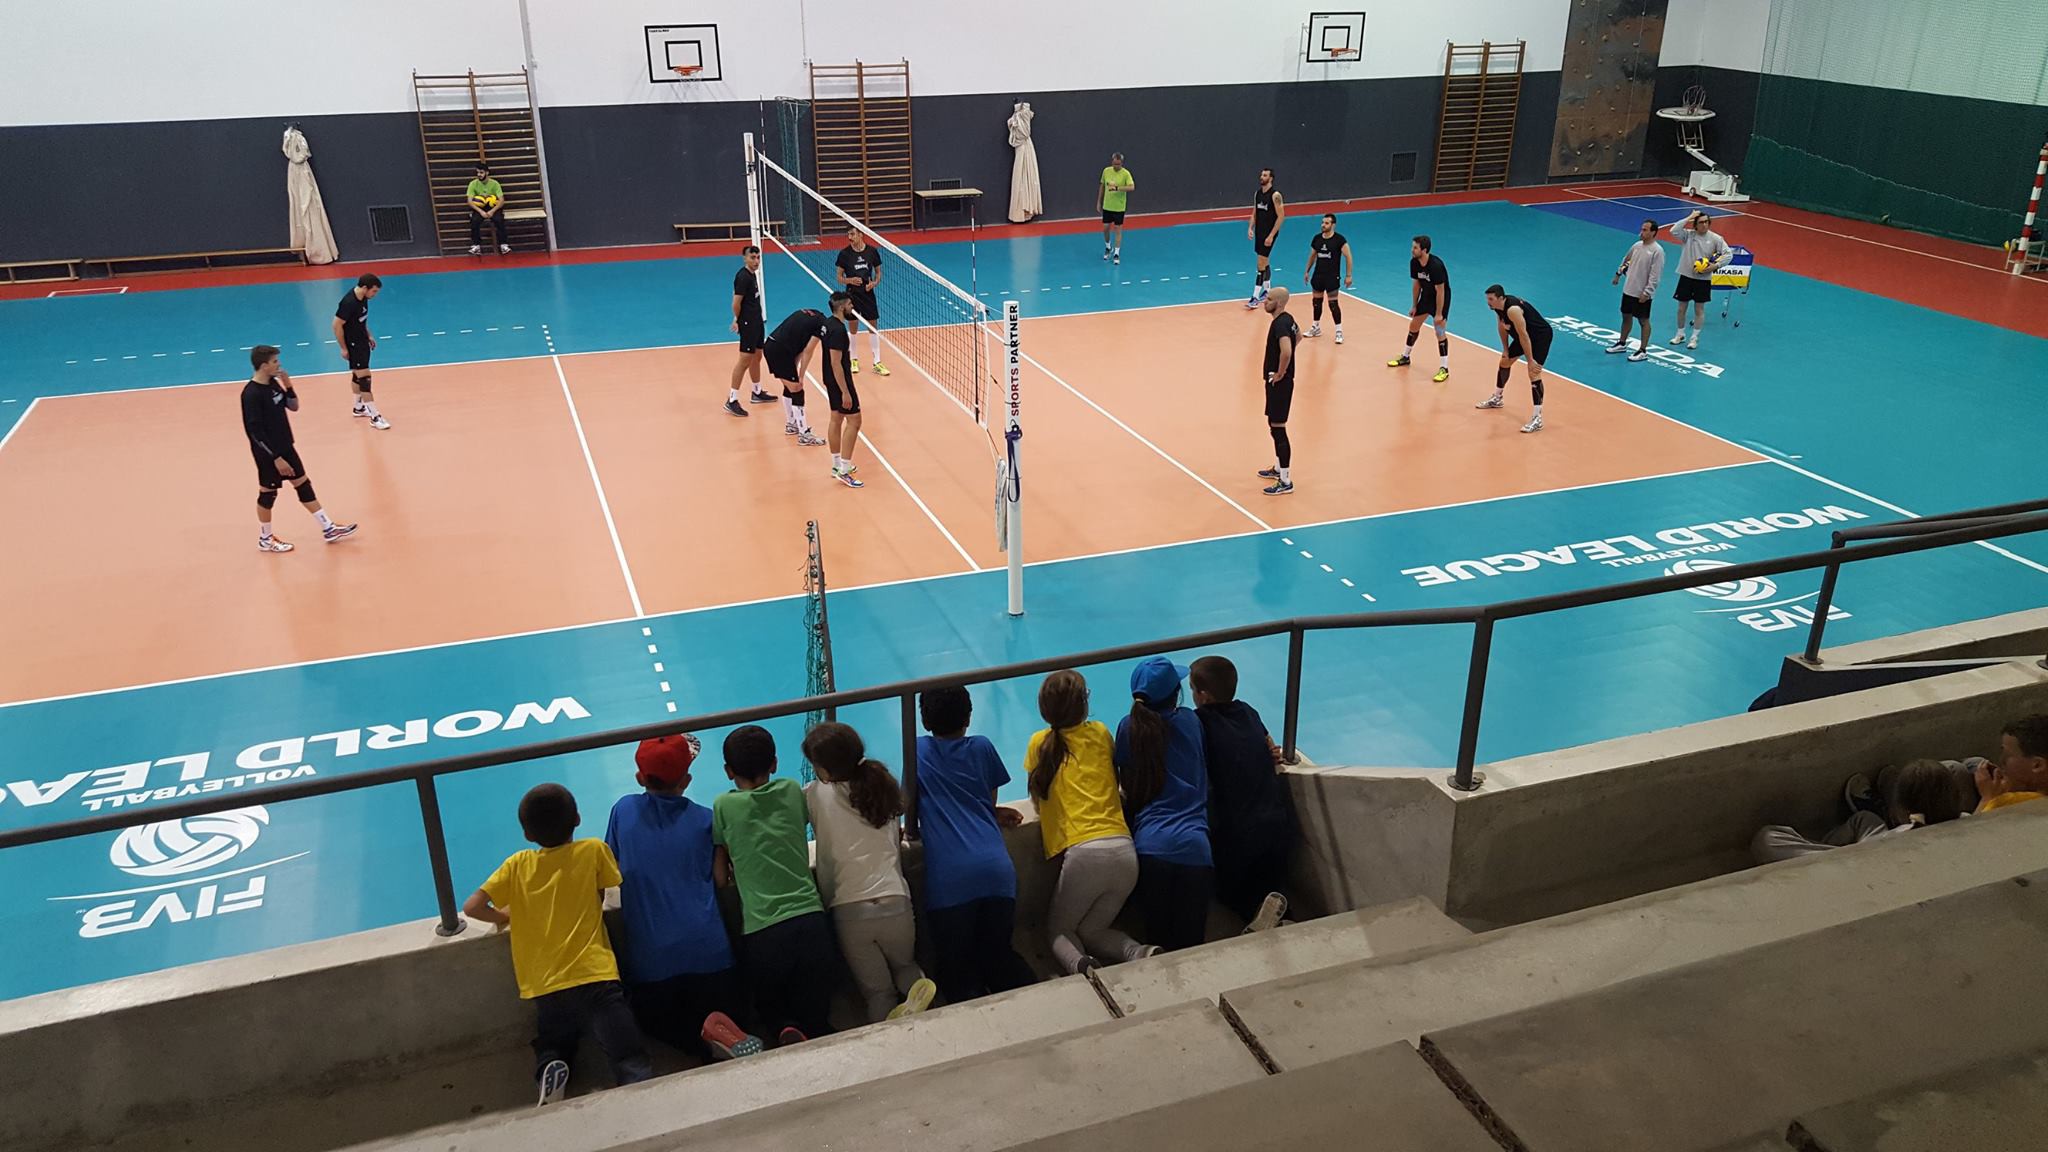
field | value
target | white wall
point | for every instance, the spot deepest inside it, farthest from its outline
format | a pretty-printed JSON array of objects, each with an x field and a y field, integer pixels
[
  {"x": 1716, "y": 33},
  {"x": 204, "y": 59}
]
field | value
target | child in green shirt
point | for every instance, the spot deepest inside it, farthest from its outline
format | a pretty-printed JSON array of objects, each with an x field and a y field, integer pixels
[{"x": 759, "y": 832}]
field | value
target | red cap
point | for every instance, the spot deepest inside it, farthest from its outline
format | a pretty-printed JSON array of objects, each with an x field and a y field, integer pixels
[{"x": 665, "y": 760}]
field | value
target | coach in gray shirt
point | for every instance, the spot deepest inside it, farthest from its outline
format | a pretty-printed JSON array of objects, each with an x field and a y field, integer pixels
[
  {"x": 1643, "y": 267},
  {"x": 1704, "y": 252}
]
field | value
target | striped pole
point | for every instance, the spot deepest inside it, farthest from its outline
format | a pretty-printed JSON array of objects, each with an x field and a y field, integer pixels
[{"x": 2019, "y": 257}]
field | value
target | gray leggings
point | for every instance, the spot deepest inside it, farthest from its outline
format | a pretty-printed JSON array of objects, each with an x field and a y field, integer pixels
[
  {"x": 879, "y": 938},
  {"x": 1095, "y": 880}
]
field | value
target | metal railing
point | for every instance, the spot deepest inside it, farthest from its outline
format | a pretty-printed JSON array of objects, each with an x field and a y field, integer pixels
[{"x": 1908, "y": 536}]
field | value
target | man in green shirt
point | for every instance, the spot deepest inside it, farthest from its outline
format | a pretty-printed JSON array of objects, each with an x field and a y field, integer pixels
[
  {"x": 486, "y": 202},
  {"x": 1110, "y": 197},
  {"x": 758, "y": 829}
]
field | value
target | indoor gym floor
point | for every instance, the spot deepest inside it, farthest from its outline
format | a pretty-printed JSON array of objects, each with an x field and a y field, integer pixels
[{"x": 562, "y": 511}]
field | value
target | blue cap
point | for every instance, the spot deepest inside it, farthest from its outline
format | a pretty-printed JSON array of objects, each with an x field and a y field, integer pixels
[{"x": 1156, "y": 679}]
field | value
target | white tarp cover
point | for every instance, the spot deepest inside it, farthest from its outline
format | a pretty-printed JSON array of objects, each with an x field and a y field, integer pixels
[
  {"x": 309, "y": 215},
  {"x": 1024, "y": 198}
]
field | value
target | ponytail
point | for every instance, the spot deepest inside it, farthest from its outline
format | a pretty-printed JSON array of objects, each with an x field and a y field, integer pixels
[
  {"x": 836, "y": 752},
  {"x": 1062, "y": 704},
  {"x": 1142, "y": 775}
]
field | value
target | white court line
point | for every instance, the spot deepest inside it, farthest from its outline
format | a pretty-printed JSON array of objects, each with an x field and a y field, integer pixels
[
  {"x": 919, "y": 501},
  {"x": 618, "y": 549},
  {"x": 879, "y": 584},
  {"x": 1161, "y": 452},
  {"x": 20, "y": 420},
  {"x": 1752, "y": 214},
  {"x": 1986, "y": 544}
]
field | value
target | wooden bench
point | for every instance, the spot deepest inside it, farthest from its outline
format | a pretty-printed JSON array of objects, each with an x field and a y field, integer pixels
[
  {"x": 115, "y": 265},
  {"x": 514, "y": 215},
  {"x": 724, "y": 231},
  {"x": 40, "y": 271}
]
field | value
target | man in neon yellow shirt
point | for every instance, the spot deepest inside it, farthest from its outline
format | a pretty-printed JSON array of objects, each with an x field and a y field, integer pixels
[
  {"x": 1110, "y": 197},
  {"x": 486, "y": 202}
]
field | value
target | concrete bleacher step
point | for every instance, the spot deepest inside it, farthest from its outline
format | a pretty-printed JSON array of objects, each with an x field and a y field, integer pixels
[
  {"x": 2000, "y": 1105},
  {"x": 1386, "y": 1100},
  {"x": 1691, "y": 1059},
  {"x": 1047, "y": 1085},
  {"x": 1303, "y": 1020},
  {"x": 1205, "y": 972}
]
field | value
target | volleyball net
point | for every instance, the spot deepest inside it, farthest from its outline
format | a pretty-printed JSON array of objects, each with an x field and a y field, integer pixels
[{"x": 933, "y": 331}]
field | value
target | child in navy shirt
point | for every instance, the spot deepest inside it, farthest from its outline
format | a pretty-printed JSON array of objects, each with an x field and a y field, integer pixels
[
  {"x": 1251, "y": 812},
  {"x": 677, "y": 960},
  {"x": 970, "y": 886}
]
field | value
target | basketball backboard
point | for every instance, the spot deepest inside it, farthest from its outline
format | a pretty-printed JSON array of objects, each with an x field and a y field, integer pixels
[
  {"x": 1335, "y": 38},
  {"x": 674, "y": 46}
]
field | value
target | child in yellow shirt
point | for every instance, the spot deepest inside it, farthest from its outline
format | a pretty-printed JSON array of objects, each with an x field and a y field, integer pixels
[{"x": 552, "y": 899}]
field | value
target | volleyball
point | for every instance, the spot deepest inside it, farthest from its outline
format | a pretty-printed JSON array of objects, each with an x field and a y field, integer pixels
[
  {"x": 487, "y": 200},
  {"x": 1699, "y": 265}
]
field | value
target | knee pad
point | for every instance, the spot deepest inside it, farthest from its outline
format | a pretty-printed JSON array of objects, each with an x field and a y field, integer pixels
[
  {"x": 267, "y": 498},
  {"x": 306, "y": 493},
  {"x": 361, "y": 382}
]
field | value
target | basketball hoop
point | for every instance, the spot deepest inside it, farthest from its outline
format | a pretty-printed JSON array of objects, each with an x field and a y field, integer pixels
[
  {"x": 1343, "y": 55},
  {"x": 686, "y": 71}
]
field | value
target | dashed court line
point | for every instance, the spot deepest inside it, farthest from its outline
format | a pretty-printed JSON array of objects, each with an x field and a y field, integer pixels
[
  {"x": 655, "y": 650},
  {"x": 1311, "y": 558},
  {"x": 299, "y": 344}
]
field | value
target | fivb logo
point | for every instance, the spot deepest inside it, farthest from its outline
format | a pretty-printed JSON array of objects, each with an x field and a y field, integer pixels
[
  {"x": 1755, "y": 599},
  {"x": 191, "y": 856}
]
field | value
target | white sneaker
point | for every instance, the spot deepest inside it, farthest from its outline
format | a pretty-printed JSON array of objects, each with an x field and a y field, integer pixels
[
  {"x": 1494, "y": 401},
  {"x": 1694, "y": 342},
  {"x": 1535, "y": 424},
  {"x": 1340, "y": 335},
  {"x": 380, "y": 423},
  {"x": 1618, "y": 346},
  {"x": 359, "y": 411},
  {"x": 1252, "y": 301},
  {"x": 476, "y": 250},
  {"x": 504, "y": 249},
  {"x": 1270, "y": 913},
  {"x": 1315, "y": 329},
  {"x": 554, "y": 1083},
  {"x": 1637, "y": 356},
  {"x": 1678, "y": 339}
]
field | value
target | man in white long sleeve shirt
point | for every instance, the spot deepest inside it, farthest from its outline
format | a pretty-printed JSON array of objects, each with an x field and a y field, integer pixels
[
  {"x": 1644, "y": 268},
  {"x": 1704, "y": 252}
]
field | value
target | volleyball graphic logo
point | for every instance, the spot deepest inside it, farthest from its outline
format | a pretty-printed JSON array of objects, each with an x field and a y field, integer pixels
[
  {"x": 181, "y": 847},
  {"x": 1733, "y": 591}
]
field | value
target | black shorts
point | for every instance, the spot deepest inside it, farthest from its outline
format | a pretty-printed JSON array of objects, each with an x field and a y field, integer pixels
[
  {"x": 1109, "y": 217},
  {"x": 1538, "y": 352},
  {"x": 1693, "y": 290},
  {"x": 1262, "y": 248},
  {"x": 359, "y": 356},
  {"x": 845, "y": 401},
  {"x": 781, "y": 364},
  {"x": 752, "y": 335},
  {"x": 1635, "y": 306},
  {"x": 864, "y": 306},
  {"x": 1279, "y": 400},
  {"x": 1426, "y": 306},
  {"x": 1326, "y": 284},
  {"x": 266, "y": 467}
]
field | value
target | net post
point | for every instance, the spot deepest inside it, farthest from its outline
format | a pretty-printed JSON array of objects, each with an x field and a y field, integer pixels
[
  {"x": 1013, "y": 433},
  {"x": 754, "y": 221}
]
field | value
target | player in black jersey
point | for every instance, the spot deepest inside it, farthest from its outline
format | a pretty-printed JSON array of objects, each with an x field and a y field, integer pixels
[
  {"x": 842, "y": 431},
  {"x": 352, "y": 334},
  {"x": 1431, "y": 302},
  {"x": 268, "y": 400},
  {"x": 787, "y": 352},
  {"x": 1269, "y": 208},
  {"x": 860, "y": 273},
  {"x": 1282, "y": 336},
  {"x": 1327, "y": 249},
  {"x": 1523, "y": 333},
  {"x": 750, "y": 325}
]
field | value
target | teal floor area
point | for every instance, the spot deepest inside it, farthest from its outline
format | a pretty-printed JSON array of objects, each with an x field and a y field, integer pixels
[{"x": 1863, "y": 408}]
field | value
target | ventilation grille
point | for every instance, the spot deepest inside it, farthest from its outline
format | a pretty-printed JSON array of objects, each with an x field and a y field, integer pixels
[
  {"x": 1403, "y": 168},
  {"x": 390, "y": 224}
]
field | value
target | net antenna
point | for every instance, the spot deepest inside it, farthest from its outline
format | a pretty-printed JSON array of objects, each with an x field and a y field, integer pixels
[
  {"x": 818, "y": 678},
  {"x": 930, "y": 326}
]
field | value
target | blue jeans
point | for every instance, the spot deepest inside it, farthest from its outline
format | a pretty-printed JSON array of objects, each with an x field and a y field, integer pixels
[{"x": 560, "y": 1019}]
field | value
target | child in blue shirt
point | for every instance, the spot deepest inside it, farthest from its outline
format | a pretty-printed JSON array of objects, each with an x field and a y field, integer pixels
[
  {"x": 970, "y": 885},
  {"x": 677, "y": 960},
  {"x": 1165, "y": 779}
]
